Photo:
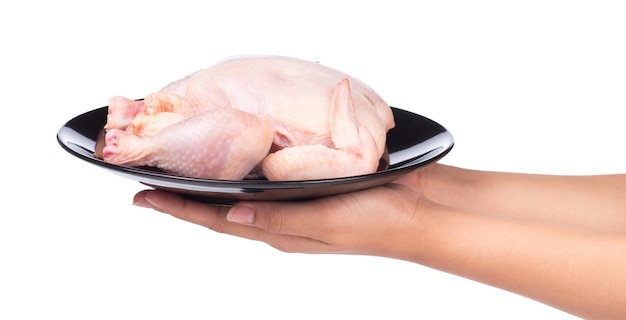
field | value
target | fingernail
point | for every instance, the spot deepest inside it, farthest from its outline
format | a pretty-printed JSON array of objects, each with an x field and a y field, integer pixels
[
  {"x": 142, "y": 204},
  {"x": 240, "y": 214}
]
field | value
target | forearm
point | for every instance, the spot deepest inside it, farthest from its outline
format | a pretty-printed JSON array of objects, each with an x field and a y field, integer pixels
[
  {"x": 572, "y": 269},
  {"x": 596, "y": 202}
]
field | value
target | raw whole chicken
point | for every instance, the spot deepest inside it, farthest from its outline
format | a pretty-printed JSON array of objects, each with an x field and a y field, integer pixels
[{"x": 250, "y": 117}]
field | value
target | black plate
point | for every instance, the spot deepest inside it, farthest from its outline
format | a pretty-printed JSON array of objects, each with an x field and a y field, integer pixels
[{"x": 415, "y": 142}]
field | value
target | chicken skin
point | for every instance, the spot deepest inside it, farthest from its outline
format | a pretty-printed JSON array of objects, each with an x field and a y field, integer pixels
[{"x": 249, "y": 117}]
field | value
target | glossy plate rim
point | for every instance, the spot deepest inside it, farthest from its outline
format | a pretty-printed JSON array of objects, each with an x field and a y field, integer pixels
[{"x": 77, "y": 137}]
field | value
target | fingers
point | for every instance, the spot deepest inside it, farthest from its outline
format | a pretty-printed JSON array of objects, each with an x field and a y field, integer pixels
[
  {"x": 361, "y": 222},
  {"x": 343, "y": 220},
  {"x": 307, "y": 219},
  {"x": 316, "y": 226},
  {"x": 210, "y": 216},
  {"x": 194, "y": 212},
  {"x": 215, "y": 218}
]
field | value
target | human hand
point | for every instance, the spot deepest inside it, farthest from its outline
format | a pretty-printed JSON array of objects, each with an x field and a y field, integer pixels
[
  {"x": 380, "y": 221},
  {"x": 485, "y": 229}
]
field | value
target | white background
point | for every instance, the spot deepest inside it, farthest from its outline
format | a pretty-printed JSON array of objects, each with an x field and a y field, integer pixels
[{"x": 526, "y": 86}]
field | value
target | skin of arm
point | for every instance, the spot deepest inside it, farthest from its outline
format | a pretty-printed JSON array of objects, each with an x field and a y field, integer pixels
[
  {"x": 593, "y": 202},
  {"x": 558, "y": 240}
]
